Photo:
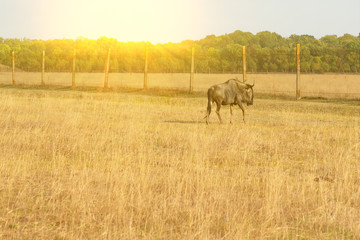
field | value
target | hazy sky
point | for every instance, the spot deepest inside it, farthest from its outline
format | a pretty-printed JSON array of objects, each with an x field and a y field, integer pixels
[{"x": 174, "y": 20}]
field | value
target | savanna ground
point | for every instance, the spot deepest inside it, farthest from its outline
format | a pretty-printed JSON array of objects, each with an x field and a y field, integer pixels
[
  {"x": 329, "y": 85},
  {"x": 132, "y": 164}
]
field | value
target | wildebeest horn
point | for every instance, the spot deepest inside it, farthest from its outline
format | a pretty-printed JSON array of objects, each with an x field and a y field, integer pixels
[{"x": 249, "y": 85}]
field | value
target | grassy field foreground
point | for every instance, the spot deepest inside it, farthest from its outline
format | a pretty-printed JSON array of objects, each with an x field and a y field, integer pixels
[{"x": 112, "y": 165}]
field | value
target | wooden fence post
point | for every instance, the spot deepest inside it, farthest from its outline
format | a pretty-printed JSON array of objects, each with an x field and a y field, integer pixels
[
  {"x": 13, "y": 68},
  {"x": 298, "y": 71},
  {"x": 192, "y": 70},
  {"x": 43, "y": 69},
  {"x": 244, "y": 64},
  {"x": 107, "y": 66},
  {"x": 73, "y": 73},
  {"x": 146, "y": 67}
]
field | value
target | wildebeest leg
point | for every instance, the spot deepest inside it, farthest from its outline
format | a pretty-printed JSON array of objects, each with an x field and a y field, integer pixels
[
  {"x": 243, "y": 111},
  {"x": 231, "y": 113},
  {"x": 218, "y": 106}
]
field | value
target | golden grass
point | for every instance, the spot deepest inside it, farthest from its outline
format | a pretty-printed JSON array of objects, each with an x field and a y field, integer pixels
[
  {"x": 88, "y": 165},
  {"x": 311, "y": 85}
]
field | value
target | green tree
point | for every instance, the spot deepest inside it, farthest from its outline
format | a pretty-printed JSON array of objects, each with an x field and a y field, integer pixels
[{"x": 265, "y": 51}]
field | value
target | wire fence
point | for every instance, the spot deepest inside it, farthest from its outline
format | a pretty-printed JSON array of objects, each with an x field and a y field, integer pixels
[{"x": 172, "y": 70}]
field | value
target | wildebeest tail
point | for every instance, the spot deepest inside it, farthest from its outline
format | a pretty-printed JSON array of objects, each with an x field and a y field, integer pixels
[
  {"x": 209, "y": 101},
  {"x": 208, "y": 110}
]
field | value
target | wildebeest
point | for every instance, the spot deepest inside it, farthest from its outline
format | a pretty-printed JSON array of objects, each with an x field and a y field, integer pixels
[{"x": 232, "y": 92}]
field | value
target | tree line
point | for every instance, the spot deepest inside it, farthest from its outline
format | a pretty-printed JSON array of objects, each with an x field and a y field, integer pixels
[{"x": 265, "y": 52}]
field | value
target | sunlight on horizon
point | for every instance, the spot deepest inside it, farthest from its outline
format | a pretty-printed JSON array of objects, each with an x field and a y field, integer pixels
[
  {"x": 157, "y": 21},
  {"x": 162, "y": 21}
]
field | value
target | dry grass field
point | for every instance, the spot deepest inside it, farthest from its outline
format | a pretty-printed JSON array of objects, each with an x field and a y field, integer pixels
[
  {"x": 129, "y": 164},
  {"x": 311, "y": 85}
]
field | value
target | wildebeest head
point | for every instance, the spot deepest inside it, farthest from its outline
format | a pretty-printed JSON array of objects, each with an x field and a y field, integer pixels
[{"x": 249, "y": 94}]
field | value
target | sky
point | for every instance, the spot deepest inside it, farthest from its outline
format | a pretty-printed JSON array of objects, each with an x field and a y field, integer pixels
[{"x": 161, "y": 21}]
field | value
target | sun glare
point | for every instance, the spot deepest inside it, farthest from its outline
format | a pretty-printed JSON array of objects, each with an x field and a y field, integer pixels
[{"x": 156, "y": 21}]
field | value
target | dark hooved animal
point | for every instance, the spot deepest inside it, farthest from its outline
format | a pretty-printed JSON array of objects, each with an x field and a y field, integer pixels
[{"x": 232, "y": 92}]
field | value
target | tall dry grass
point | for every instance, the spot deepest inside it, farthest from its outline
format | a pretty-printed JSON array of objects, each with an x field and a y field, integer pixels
[
  {"x": 311, "y": 85},
  {"x": 88, "y": 165}
]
